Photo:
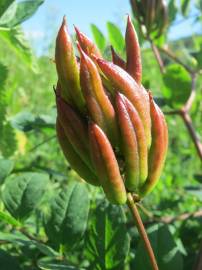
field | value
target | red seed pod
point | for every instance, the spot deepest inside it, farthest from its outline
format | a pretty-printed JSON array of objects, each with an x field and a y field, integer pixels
[
  {"x": 73, "y": 158},
  {"x": 127, "y": 85},
  {"x": 67, "y": 69},
  {"x": 86, "y": 44},
  {"x": 158, "y": 149},
  {"x": 92, "y": 87},
  {"x": 75, "y": 129},
  {"x": 134, "y": 63},
  {"x": 117, "y": 136},
  {"x": 106, "y": 165},
  {"x": 117, "y": 60},
  {"x": 129, "y": 146}
]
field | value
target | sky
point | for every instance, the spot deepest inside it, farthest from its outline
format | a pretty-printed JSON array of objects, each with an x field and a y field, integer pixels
[{"x": 43, "y": 25}]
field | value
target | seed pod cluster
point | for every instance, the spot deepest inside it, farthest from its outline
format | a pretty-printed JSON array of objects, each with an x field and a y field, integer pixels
[
  {"x": 152, "y": 16},
  {"x": 109, "y": 128}
]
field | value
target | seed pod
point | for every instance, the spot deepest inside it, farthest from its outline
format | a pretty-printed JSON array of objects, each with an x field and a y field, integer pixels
[
  {"x": 127, "y": 85},
  {"x": 73, "y": 158},
  {"x": 75, "y": 130},
  {"x": 106, "y": 165},
  {"x": 92, "y": 87},
  {"x": 134, "y": 64},
  {"x": 87, "y": 45},
  {"x": 141, "y": 139},
  {"x": 117, "y": 60},
  {"x": 129, "y": 146},
  {"x": 67, "y": 69},
  {"x": 152, "y": 17},
  {"x": 158, "y": 149},
  {"x": 114, "y": 103}
]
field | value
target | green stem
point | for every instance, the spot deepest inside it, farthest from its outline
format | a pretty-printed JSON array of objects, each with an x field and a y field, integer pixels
[{"x": 140, "y": 226}]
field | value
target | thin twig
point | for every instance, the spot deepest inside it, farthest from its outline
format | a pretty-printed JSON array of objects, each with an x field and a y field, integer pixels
[
  {"x": 188, "y": 122},
  {"x": 192, "y": 96},
  {"x": 132, "y": 206},
  {"x": 43, "y": 142},
  {"x": 157, "y": 56},
  {"x": 175, "y": 58},
  {"x": 184, "y": 112}
]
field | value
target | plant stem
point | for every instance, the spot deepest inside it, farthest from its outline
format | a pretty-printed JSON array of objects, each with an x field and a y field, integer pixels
[
  {"x": 157, "y": 56},
  {"x": 142, "y": 231}
]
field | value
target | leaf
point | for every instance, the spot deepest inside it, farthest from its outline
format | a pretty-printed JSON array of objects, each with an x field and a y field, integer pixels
[
  {"x": 23, "y": 193},
  {"x": 108, "y": 241},
  {"x": 45, "y": 249},
  {"x": 198, "y": 178},
  {"x": 185, "y": 5},
  {"x": 198, "y": 56},
  {"x": 3, "y": 103},
  {"x": 6, "y": 167},
  {"x": 172, "y": 10},
  {"x": 17, "y": 44},
  {"x": 98, "y": 37},
  {"x": 9, "y": 219},
  {"x": 166, "y": 251},
  {"x": 116, "y": 37},
  {"x": 4, "y": 4},
  {"x": 177, "y": 85},
  {"x": 8, "y": 141},
  {"x": 20, "y": 239},
  {"x": 8, "y": 14},
  {"x": 8, "y": 262},
  {"x": 26, "y": 121},
  {"x": 69, "y": 214},
  {"x": 48, "y": 264},
  {"x": 23, "y": 11}
]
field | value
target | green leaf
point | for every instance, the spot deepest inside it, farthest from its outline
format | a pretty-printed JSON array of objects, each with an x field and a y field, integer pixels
[
  {"x": 48, "y": 264},
  {"x": 17, "y": 44},
  {"x": 198, "y": 178},
  {"x": 177, "y": 85},
  {"x": 198, "y": 56},
  {"x": 6, "y": 167},
  {"x": 108, "y": 241},
  {"x": 9, "y": 14},
  {"x": 9, "y": 219},
  {"x": 116, "y": 37},
  {"x": 185, "y": 5},
  {"x": 98, "y": 37},
  {"x": 3, "y": 102},
  {"x": 8, "y": 262},
  {"x": 23, "y": 193},
  {"x": 69, "y": 214},
  {"x": 4, "y": 4},
  {"x": 26, "y": 121},
  {"x": 166, "y": 251},
  {"x": 8, "y": 143},
  {"x": 48, "y": 251},
  {"x": 23, "y": 11},
  {"x": 20, "y": 239},
  {"x": 172, "y": 10}
]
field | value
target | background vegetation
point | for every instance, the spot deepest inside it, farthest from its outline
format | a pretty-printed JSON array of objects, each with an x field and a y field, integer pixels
[{"x": 50, "y": 221}]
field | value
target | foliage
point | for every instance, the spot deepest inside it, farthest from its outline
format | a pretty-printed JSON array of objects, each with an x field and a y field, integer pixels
[{"x": 49, "y": 218}]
